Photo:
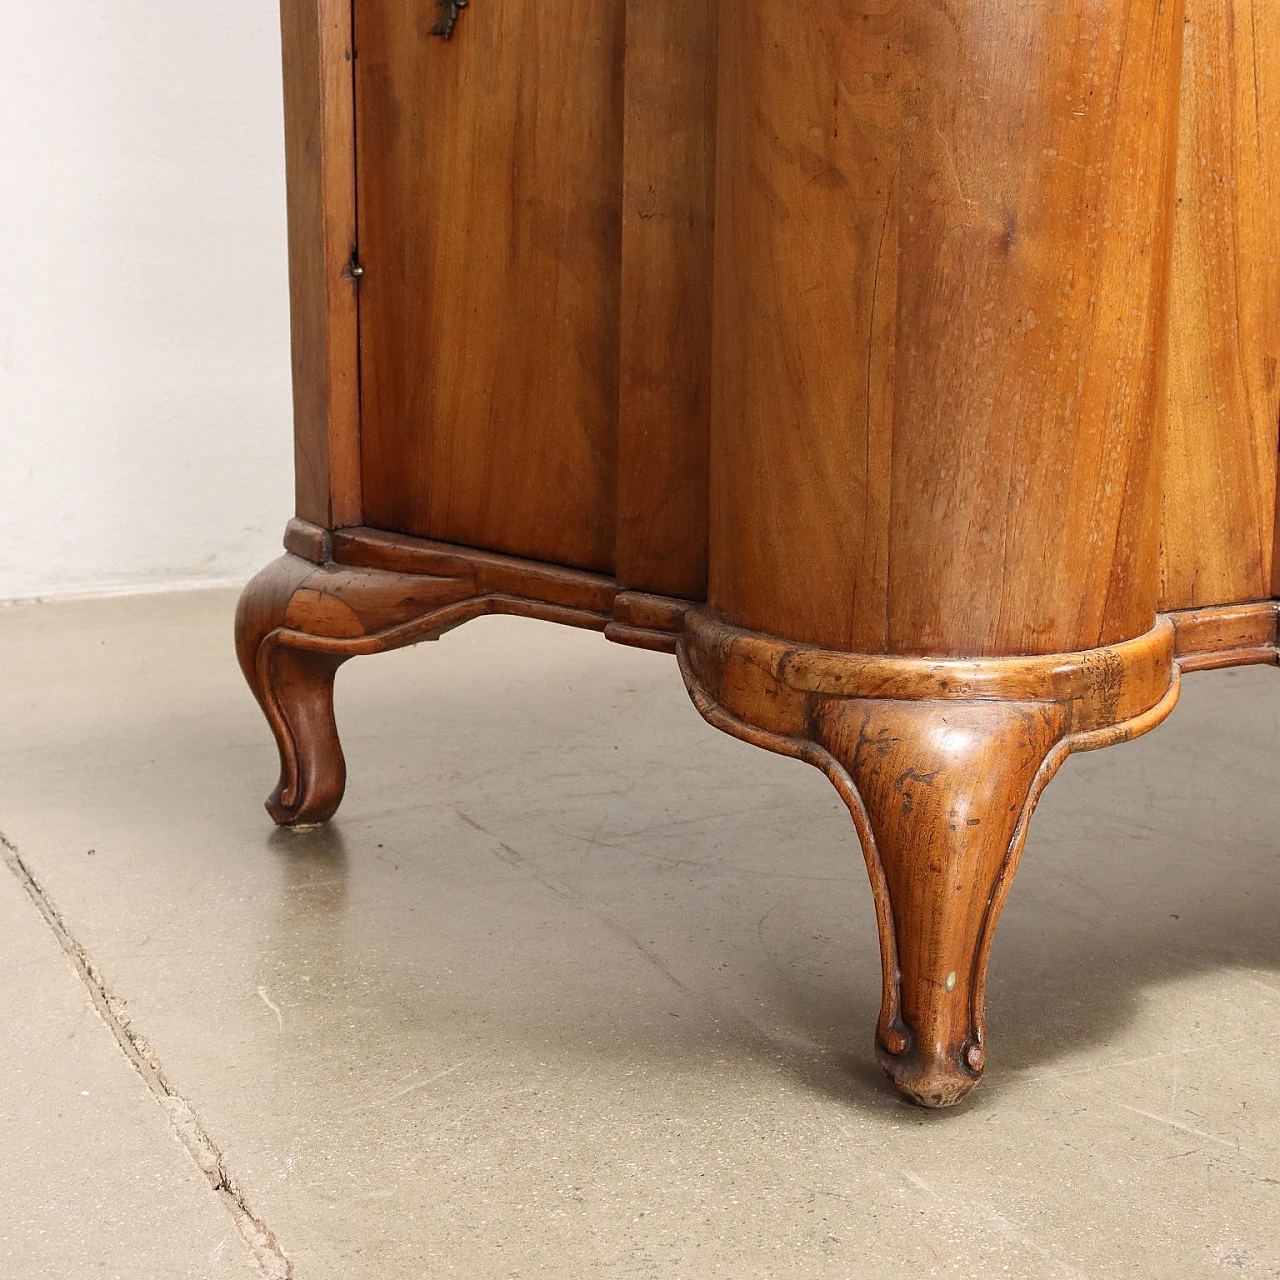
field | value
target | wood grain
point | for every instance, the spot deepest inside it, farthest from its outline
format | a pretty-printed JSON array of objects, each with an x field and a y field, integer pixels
[
  {"x": 943, "y": 814},
  {"x": 805, "y": 293},
  {"x": 297, "y": 623},
  {"x": 1225, "y": 636},
  {"x": 943, "y": 236},
  {"x": 555, "y": 584},
  {"x": 1204, "y": 638},
  {"x": 940, "y": 761},
  {"x": 667, "y": 228},
  {"x": 375, "y": 591},
  {"x": 295, "y": 692},
  {"x": 1218, "y": 520},
  {"x": 896, "y": 404},
  {"x": 490, "y": 192},
  {"x": 941, "y": 773},
  {"x": 320, "y": 170}
]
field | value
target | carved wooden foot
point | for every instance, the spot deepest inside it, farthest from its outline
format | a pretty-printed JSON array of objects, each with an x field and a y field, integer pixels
[
  {"x": 302, "y": 617},
  {"x": 941, "y": 764},
  {"x": 296, "y": 624},
  {"x": 941, "y": 795}
]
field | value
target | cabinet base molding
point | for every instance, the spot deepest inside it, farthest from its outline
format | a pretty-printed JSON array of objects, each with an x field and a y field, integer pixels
[{"x": 940, "y": 761}]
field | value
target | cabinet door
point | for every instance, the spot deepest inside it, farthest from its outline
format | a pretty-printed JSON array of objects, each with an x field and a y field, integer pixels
[
  {"x": 489, "y": 175},
  {"x": 504, "y": 332}
]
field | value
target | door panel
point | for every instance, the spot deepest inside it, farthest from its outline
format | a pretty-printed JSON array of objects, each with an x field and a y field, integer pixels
[
  {"x": 1224, "y": 403},
  {"x": 667, "y": 251},
  {"x": 534, "y": 363},
  {"x": 489, "y": 180},
  {"x": 535, "y": 224}
]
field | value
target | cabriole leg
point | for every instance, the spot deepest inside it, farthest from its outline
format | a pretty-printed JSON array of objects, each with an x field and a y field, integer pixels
[
  {"x": 941, "y": 795},
  {"x": 941, "y": 763},
  {"x": 296, "y": 624},
  {"x": 294, "y": 687}
]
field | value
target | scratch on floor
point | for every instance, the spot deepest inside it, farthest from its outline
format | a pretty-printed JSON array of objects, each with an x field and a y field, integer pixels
[
  {"x": 995, "y": 1221},
  {"x": 1184, "y": 1128},
  {"x": 625, "y": 843},
  {"x": 271, "y": 1004},
  {"x": 422, "y": 1084},
  {"x": 514, "y": 858},
  {"x": 183, "y": 1118},
  {"x": 383, "y": 1099},
  {"x": 1096, "y": 1068},
  {"x": 1266, "y": 986}
]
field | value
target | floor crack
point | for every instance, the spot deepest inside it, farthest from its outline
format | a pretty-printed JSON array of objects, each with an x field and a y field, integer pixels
[{"x": 182, "y": 1116}]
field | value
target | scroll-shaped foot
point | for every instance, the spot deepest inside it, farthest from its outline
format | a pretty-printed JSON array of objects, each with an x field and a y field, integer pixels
[
  {"x": 941, "y": 762},
  {"x": 941, "y": 795},
  {"x": 296, "y": 624},
  {"x": 294, "y": 688},
  {"x": 302, "y": 617}
]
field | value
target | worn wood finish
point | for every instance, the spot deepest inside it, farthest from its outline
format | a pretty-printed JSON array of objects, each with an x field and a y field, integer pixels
[
  {"x": 1228, "y": 635},
  {"x": 296, "y": 624},
  {"x": 300, "y": 619},
  {"x": 875, "y": 444},
  {"x": 554, "y": 584},
  {"x": 667, "y": 213},
  {"x": 321, "y": 174},
  {"x": 942, "y": 814},
  {"x": 295, "y": 692},
  {"x": 941, "y": 761},
  {"x": 490, "y": 186},
  {"x": 1218, "y": 521},
  {"x": 1225, "y": 636},
  {"x": 941, "y": 765},
  {"x": 912, "y": 281}
]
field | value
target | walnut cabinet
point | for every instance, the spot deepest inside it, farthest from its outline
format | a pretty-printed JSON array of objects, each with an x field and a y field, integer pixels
[{"x": 906, "y": 370}]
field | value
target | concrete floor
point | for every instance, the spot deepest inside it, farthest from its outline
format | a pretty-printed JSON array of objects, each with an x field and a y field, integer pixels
[{"x": 577, "y": 987}]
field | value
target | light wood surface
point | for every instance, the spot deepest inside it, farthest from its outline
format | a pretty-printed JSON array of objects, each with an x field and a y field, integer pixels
[
  {"x": 868, "y": 356},
  {"x": 940, "y": 321},
  {"x": 321, "y": 175},
  {"x": 668, "y": 199},
  {"x": 490, "y": 234},
  {"x": 1218, "y": 520}
]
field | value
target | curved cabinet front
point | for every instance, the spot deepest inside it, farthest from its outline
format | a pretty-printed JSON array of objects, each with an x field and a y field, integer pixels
[{"x": 908, "y": 369}]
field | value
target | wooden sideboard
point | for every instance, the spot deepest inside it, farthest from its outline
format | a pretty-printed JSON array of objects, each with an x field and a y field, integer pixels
[{"x": 907, "y": 370}]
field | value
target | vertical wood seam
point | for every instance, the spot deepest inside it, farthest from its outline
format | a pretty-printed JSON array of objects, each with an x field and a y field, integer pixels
[{"x": 344, "y": 425}]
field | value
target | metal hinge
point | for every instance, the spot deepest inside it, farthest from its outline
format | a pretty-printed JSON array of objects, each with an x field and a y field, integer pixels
[{"x": 450, "y": 11}]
